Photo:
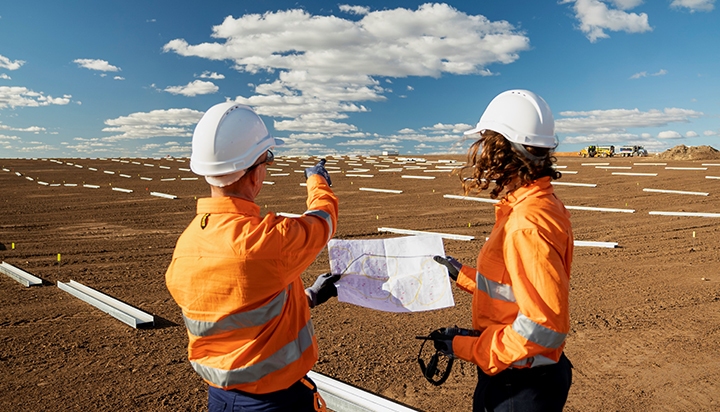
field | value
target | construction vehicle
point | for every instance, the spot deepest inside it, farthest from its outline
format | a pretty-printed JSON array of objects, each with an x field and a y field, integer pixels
[
  {"x": 597, "y": 151},
  {"x": 630, "y": 151}
]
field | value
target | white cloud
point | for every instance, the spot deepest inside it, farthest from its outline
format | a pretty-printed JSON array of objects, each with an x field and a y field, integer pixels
[
  {"x": 419, "y": 137},
  {"x": 710, "y": 133},
  {"x": 320, "y": 66},
  {"x": 298, "y": 147},
  {"x": 600, "y": 138},
  {"x": 646, "y": 135},
  {"x": 44, "y": 147},
  {"x": 89, "y": 146},
  {"x": 448, "y": 128},
  {"x": 6, "y": 137},
  {"x": 94, "y": 64},
  {"x": 213, "y": 75},
  {"x": 119, "y": 78},
  {"x": 618, "y": 120},
  {"x": 645, "y": 74},
  {"x": 194, "y": 88},
  {"x": 595, "y": 17},
  {"x": 310, "y": 136},
  {"x": 694, "y": 5},
  {"x": 424, "y": 146},
  {"x": 691, "y": 134},
  {"x": 175, "y": 149},
  {"x": 360, "y": 10},
  {"x": 306, "y": 123},
  {"x": 140, "y": 125},
  {"x": 369, "y": 142},
  {"x": 410, "y": 87},
  {"x": 6, "y": 63},
  {"x": 18, "y": 96},
  {"x": 4, "y": 76},
  {"x": 669, "y": 134},
  {"x": 407, "y": 130},
  {"x": 33, "y": 129}
]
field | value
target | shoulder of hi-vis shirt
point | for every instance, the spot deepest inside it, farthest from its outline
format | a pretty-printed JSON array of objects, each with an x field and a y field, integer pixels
[
  {"x": 236, "y": 277},
  {"x": 522, "y": 284},
  {"x": 276, "y": 248}
]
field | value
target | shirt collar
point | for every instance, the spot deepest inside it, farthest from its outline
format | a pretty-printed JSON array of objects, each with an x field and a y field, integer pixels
[
  {"x": 227, "y": 205},
  {"x": 539, "y": 186}
]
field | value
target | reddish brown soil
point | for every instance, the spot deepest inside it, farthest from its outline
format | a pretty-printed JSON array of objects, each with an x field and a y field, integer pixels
[{"x": 645, "y": 316}]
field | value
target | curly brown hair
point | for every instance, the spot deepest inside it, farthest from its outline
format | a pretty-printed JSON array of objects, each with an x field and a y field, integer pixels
[{"x": 500, "y": 162}]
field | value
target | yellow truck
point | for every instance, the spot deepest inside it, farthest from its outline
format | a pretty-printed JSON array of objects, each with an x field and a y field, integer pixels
[{"x": 597, "y": 151}]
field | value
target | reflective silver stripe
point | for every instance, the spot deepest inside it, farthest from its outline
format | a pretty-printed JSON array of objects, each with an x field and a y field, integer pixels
[
  {"x": 494, "y": 289},
  {"x": 536, "y": 333},
  {"x": 535, "y": 361},
  {"x": 255, "y": 317},
  {"x": 252, "y": 373},
  {"x": 325, "y": 215}
]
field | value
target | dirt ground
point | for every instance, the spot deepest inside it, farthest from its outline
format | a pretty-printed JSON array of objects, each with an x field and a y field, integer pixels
[{"x": 645, "y": 316}]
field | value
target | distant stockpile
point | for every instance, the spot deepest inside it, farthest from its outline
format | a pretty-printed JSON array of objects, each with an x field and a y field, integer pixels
[{"x": 682, "y": 152}]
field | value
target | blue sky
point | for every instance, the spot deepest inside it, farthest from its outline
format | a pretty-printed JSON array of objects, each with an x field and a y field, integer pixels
[{"x": 97, "y": 79}]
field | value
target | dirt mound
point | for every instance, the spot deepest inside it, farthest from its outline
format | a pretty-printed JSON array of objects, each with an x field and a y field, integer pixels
[{"x": 682, "y": 152}]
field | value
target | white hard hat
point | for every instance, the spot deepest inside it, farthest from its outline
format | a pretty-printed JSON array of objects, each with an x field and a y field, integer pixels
[
  {"x": 522, "y": 117},
  {"x": 230, "y": 137}
]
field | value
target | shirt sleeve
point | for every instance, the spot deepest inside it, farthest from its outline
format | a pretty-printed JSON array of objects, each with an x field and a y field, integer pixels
[
  {"x": 540, "y": 283},
  {"x": 466, "y": 279},
  {"x": 305, "y": 236}
]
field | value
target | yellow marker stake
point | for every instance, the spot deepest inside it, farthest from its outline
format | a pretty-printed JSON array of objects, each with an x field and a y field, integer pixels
[
  {"x": 58, "y": 257},
  {"x": 13, "y": 246},
  {"x": 377, "y": 217}
]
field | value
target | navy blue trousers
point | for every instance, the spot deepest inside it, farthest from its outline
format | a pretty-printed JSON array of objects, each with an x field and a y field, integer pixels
[
  {"x": 298, "y": 398},
  {"x": 541, "y": 389}
]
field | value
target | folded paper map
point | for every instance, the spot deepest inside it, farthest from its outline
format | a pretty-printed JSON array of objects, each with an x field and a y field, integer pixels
[{"x": 391, "y": 275}]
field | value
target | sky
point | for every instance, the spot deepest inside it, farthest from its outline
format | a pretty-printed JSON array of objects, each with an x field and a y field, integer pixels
[{"x": 131, "y": 79}]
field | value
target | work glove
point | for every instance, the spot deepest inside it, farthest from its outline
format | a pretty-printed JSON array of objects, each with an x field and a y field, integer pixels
[
  {"x": 452, "y": 265},
  {"x": 443, "y": 337},
  {"x": 323, "y": 289},
  {"x": 319, "y": 169}
]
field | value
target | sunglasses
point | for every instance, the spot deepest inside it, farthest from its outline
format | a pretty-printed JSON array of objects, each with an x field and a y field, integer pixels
[{"x": 269, "y": 159}]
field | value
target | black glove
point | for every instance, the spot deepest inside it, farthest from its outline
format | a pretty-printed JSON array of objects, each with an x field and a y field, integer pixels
[
  {"x": 443, "y": 337},
  {"x": 319, "y": 169},
  {"x": 452, "y": 265},
  {"x": 323, "y": 289}
]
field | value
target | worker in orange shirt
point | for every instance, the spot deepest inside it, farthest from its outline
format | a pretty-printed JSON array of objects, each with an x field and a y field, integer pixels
[
  {"x": 236, "y": 275},
  {"x": 520, "y": 288}
]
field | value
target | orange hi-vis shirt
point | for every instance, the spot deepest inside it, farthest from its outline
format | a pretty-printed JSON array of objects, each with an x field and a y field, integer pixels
[
  {"x": 236, "y": 277},
  {"x": 521, "y": 285}
]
